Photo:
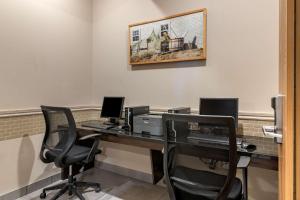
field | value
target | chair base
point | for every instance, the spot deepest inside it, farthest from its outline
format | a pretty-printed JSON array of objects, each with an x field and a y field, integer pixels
[{"x": 71, "y": 187}]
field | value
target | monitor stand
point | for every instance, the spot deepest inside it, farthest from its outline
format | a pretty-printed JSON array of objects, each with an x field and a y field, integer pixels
[{"x": 112, "y": 121}]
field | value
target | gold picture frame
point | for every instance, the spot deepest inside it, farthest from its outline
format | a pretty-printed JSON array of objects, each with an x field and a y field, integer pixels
[{"x": 176, "y": 38}]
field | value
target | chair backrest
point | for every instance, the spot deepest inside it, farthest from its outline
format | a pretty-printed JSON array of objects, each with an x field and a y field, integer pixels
[
  {"x": 181, "y": 144},
  {"x": 60, "y": 133}
]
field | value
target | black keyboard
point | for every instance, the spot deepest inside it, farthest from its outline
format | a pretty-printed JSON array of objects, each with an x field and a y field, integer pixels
[
  {"x": 212, "y": 138},
  {"x": 97, "y": 125}
]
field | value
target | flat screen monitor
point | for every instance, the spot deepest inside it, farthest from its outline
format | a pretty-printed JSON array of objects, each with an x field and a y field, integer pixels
[
  {"x": 220, "y": 106},
  {"x": 112, "y": 107}
]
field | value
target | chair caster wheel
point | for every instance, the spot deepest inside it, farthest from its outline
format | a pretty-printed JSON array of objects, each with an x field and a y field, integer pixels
[
  {"x": 98, "y": 189},
  {"x": 43, "y": 195}
]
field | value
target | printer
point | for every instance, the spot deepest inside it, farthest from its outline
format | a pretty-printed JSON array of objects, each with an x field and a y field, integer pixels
[{"x": 148, "y": 124}]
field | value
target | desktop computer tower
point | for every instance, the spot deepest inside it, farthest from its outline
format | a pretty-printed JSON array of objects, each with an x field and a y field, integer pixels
[
  {"x": 180, "y": 110},
  {"x": 181, "y": 128},
  {"x": 130, "y": 112}
]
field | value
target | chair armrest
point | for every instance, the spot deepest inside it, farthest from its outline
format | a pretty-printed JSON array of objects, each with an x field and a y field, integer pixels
[
  {"x": 94, "y": 150},
  {"x": 194, "y": 185},
  {"x": 244, "y": 162},
  {"x": 90, "y": 136}
]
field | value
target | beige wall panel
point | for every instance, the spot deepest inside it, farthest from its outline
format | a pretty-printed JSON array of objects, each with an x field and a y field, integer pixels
[
  {"x": 45, "y": 53},
  {"x": 242, "y": 54},
  {"x": 129, "y": 157},
  {"x": 20, "y": 163}
]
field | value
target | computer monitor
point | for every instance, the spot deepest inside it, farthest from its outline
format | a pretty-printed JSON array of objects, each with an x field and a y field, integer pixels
[
  {"x": 112, "y": 108},
  {"x": 220, "y": 106}
]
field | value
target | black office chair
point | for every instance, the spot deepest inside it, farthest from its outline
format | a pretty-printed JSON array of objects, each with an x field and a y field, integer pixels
[
  {"x": 185, "y": 183},
  {"x": 59, "y": 147}
]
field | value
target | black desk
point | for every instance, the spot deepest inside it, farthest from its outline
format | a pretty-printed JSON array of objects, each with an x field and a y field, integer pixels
[
  {"x": 259, "y": 158},
  {"x": 156, "y": 142}
]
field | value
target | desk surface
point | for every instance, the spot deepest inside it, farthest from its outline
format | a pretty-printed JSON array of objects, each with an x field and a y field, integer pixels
[
  {"x": 265, "y": 156},
  {"x": 264, "y": 146}
]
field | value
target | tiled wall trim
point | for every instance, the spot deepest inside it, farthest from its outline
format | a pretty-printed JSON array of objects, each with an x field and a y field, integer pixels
[
  {"x": 20, "y": 123},
  {"x": 253, "y": 127},
  {"x": 242, "y": 115},
  {"x": 12, "y": 127},
  {"x": 34, "y": 111}
]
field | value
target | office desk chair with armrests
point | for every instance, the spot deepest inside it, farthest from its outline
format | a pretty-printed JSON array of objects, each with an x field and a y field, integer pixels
[
  {"x": 59, "y": 147},
  {"x": 186, "y": 183}
]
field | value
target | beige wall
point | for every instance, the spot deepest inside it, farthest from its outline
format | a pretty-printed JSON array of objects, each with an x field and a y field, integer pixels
[
  {"x": 129, "y": 157},
  {"x": 45, "y": 53},
  {"x": 41, "y": 38},
  {"x": 20, "y": 163},
  {"x": 45, "y": 58},
  {"x": 242, "y": 54},
  {"x": 242, "y": 62},
  {"x": 48, "y": 55}
]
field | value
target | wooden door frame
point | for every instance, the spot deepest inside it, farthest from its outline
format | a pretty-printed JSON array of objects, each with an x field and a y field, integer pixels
[
  {"x": 297, "y": 99},
  {"x": 286, "y": 87}
]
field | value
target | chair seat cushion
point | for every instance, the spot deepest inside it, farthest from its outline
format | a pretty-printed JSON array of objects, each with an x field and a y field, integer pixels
[
  {"x": 76, "y": 154},
  {"x": 205, "y": 178}
]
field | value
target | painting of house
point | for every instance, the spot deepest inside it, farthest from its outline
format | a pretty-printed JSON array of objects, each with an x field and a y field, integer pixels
[{"x": 176, "y": 38}]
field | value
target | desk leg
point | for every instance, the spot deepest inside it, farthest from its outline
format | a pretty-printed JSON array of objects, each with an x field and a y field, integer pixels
[
  {"x": 245, "y": 182},
  {"x": 157, "y": 165}
]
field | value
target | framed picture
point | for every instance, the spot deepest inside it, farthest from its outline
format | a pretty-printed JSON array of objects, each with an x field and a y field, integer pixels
[{"x": 180, "y": 37}]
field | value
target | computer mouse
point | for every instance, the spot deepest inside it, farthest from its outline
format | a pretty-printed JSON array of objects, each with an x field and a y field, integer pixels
[
  {"x": 251, "y": 147},
  {"x": 125, "y": 127}
]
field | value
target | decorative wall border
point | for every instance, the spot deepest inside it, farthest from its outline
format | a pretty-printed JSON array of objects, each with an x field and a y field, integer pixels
[
  {"x": 37, "y": 111},
  {"x": 34, "y": 111}
]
